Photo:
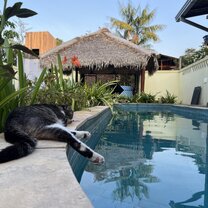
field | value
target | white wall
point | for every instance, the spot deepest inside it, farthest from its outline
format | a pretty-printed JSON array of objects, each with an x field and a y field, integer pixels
[
  {"x": 32, "y": 68},
  {"x": 192, "y": 76},
  {"x": 181, "y": 82},
  {"x": 162, "y": 81}
]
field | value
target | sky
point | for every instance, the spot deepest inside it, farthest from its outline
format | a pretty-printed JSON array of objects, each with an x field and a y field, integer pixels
[{"x": 67, "y": 19}]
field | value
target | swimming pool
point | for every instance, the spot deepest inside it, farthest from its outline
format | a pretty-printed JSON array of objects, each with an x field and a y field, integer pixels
[{"x": 156, "y": 157}]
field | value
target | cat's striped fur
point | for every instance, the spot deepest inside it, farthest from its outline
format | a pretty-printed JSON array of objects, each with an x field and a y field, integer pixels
[{"x": 26, "y": 125}]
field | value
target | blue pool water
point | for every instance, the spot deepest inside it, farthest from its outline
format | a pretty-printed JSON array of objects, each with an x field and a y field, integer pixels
[{"x": 153, "y": 160}]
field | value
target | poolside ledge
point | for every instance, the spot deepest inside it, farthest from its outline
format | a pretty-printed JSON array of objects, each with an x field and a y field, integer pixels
[{"x": 44, "y": 179}]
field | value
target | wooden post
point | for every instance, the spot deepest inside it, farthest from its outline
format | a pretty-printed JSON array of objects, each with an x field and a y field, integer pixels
[
  {"x": 142, "y": 79},
  {"x": 76, "y": 75}
]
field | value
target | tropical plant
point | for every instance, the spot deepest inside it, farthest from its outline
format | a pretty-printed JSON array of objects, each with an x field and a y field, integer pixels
[
  {"x": 65, "y": 91},
  {"x": 57, "y": 90},
  {"x": 124, "y": 99},
  {"x": 135, "y": 24},
  {"x": 100, "y": 94},
  {"x": 144, "y": 98},
  {"x": 11, "y": 96},
  {"x": 9, "y": 31},
  {"x": 168, "y": 98},
  {"x": 192, "y": 55},
  {"x": 59, "y": 41}
]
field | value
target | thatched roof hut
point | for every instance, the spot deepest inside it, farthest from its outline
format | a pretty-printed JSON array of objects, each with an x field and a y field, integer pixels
[
  {"x": 102, "y": 49},
  {"x": 104, "y": 57}
]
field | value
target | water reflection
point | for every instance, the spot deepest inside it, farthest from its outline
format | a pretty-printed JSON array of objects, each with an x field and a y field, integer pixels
[
  {"x": 131, "y": 144},
  {"x": 198, "y": 195}
]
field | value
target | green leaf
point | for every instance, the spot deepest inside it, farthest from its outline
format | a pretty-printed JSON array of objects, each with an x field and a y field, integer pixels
[
  {"x": 10, "y": 97},
  {"x": 3, "y": 83},
  {"x": 23, "y": 49},
  {"x": 37, "y": 86},
  {"x": 17, "y": 11},
  {"x": 24, "y": 13},
  {"x": 12, "y": 11},
  {"x": 22, "y": 77},
  {"x": 60, "y": 72},
  {"x": 7, "y": 71},
  {"x": 57, "y": 77}
]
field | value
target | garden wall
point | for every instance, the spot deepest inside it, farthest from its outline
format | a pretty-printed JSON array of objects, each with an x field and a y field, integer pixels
[
  {"x": 192, "y": 76},
  {"x": 181, "y": 82},
  {"x": 162, "y": 81}
]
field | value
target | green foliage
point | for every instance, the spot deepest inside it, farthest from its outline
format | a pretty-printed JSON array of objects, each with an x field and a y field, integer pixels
[
  {"x": 144, "y": 98},
  {"x": 99, "y": 94},
  {"x": 124, "y": 99},
  {"x": 168, "y": 98},
  {"x": 192, "y": 55},
  {"x": 148, "y": 98},
  {"x": 9, "y": 31},
  {"x": 135, "y": 24},
  {"x": 138, "y": 98},
  {"x": 69, "y": 93},
  {"x": 58, "y": 90},
  {"x": 35, "y": 90},
  {"x": 12, "y": 11},
  {"x": 58, "y": 41},
  {"x": 11, "y": 96}
]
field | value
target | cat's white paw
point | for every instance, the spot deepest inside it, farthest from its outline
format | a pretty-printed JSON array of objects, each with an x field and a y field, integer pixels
[
  {"x": 83, "y": 134},
  {"x": 97, "y": 159},
  {"x": 87, "y": 134}
]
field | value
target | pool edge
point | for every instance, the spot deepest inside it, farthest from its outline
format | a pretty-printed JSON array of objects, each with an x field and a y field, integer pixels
[{"x": 44, "y": 179}]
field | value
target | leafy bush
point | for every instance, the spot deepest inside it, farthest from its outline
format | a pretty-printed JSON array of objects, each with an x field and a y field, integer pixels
[
  {"x": 51, "y": 92},
  {"x": 99, "y": 94},
  {"x": 11, "y": 96},
  {"x": 192, "y": 55},
  {"x": 124, "y": 99},
  {"x": 58, "y": 90},
  {"x": 144, "y": 98},
  {"x": 168, "y": 98}
]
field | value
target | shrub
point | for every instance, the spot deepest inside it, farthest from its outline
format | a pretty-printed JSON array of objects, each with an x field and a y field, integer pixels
[
  {"x": 10, "y": 96},
  {"x": 168, "y": 98},
  {"x": 144, "y": 98},
  {"x": 100, "y": 94}
]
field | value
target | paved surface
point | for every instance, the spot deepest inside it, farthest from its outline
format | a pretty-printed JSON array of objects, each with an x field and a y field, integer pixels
[{"x": 44, "y": 179}]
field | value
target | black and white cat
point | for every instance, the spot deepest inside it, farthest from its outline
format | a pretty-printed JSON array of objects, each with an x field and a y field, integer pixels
[{"x": 26, "y": 125}]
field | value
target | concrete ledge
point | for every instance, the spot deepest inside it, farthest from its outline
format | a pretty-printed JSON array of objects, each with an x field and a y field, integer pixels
[{"x": 44, "y": 179}]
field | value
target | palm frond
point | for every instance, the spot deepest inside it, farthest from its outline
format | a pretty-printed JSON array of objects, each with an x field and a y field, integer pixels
[
  {"x": 136, "y": 24},
  {"x": 121, "y": 25}
]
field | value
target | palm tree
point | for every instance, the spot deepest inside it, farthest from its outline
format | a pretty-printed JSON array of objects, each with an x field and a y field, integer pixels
[{"x": 135, "y": 24}]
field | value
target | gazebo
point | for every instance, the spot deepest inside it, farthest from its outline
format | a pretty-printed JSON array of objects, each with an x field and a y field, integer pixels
[{"x": 103, "y": 57}]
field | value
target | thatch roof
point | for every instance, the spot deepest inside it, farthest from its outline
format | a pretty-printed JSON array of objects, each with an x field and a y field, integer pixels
[{"x": 102, "y": 49}]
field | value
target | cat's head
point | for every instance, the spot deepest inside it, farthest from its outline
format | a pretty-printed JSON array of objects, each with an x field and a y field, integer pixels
[{"x": 68, "y": 111}]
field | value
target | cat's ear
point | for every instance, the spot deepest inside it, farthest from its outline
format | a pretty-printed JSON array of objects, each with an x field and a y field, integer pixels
[
  {"x": 68, "y": 110},
  {"x": 64, "y": 107}
]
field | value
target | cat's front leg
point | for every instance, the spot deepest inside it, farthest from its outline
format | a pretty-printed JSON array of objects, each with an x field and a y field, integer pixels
[
  {"x": 81, "y": 134},
  {"x": 97, "y": 158}
]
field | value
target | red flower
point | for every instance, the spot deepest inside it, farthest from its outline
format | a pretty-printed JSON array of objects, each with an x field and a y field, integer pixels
[
  {"x": 64, "y": 60},
  {"x": 75, "y": 61}
]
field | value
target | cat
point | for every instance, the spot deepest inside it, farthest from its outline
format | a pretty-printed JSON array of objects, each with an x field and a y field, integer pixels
[{"x": 26, "y": 125}]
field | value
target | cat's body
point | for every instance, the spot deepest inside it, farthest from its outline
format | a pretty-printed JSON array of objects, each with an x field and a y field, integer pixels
[{"x": 26, "y": 125}]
